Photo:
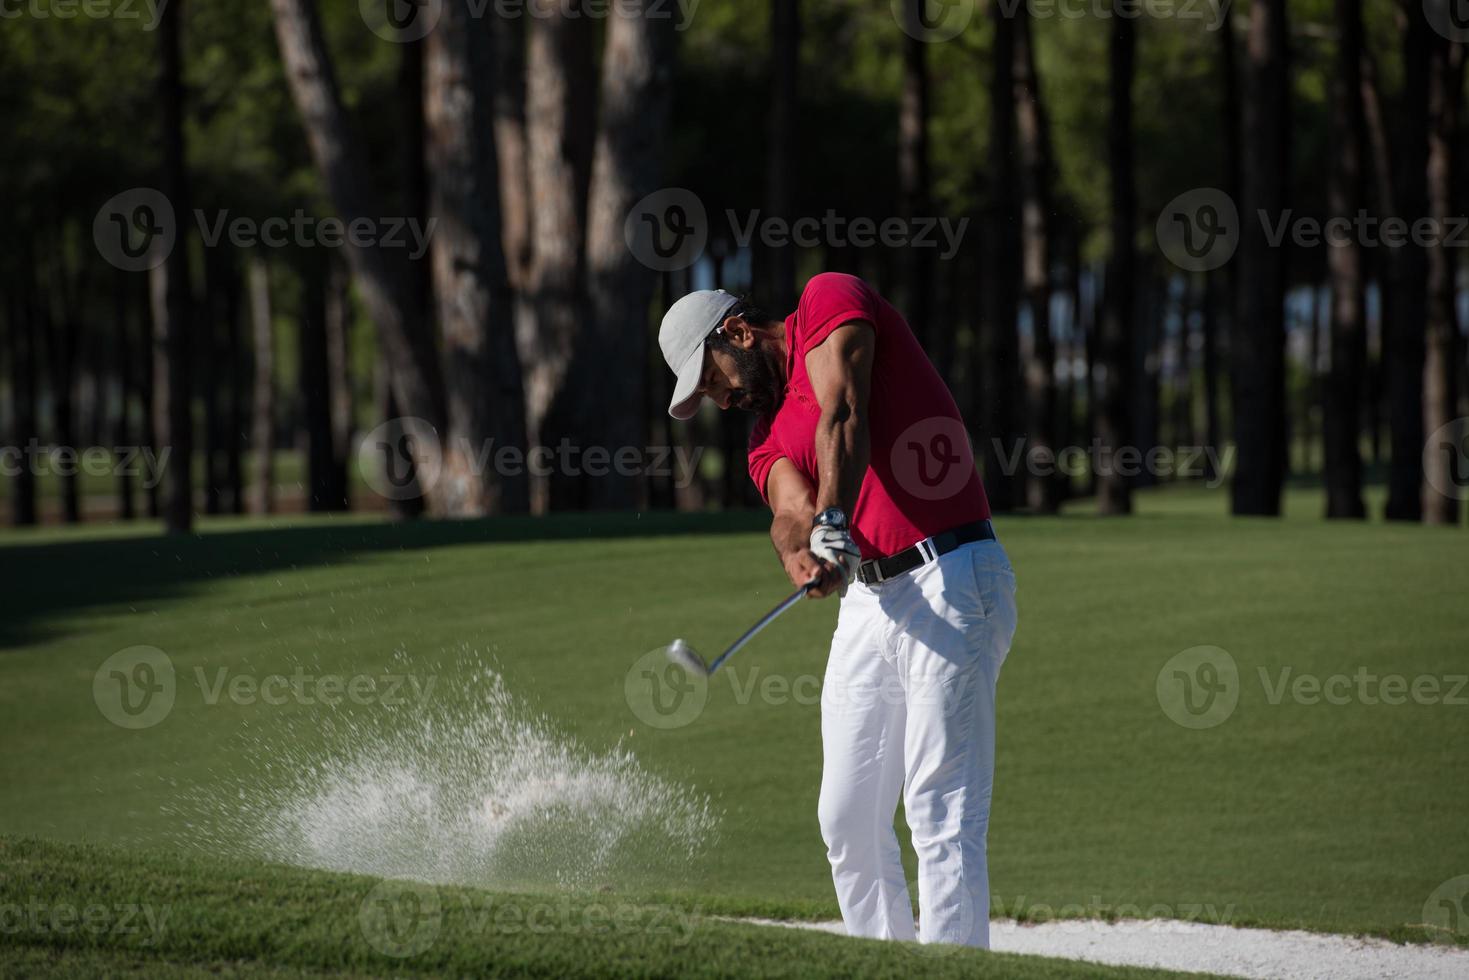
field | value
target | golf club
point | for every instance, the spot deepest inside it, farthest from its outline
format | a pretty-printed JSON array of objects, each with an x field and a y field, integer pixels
[{"x": 687, "y": 657}]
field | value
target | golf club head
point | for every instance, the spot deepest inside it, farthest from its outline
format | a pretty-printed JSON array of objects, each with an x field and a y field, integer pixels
[{"x": 687, "y": 657}]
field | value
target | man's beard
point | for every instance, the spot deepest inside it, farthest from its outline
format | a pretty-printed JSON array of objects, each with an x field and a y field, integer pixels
[{"x": 761, "y": 387}]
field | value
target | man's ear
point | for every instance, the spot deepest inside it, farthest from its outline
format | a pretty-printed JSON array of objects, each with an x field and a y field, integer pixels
[{"x": 740, "y": 333}]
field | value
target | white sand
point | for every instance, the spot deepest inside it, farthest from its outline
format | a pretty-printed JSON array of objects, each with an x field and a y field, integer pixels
[{"x": 1205, "y": 948}]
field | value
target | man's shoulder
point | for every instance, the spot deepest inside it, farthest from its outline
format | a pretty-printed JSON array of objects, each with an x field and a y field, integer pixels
[{"x": 825, "y": 282}]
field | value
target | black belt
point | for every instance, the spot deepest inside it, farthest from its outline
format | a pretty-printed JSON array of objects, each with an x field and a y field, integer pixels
[{"x": 876, "y": 570}]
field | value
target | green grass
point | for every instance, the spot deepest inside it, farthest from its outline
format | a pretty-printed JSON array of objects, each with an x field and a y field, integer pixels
[
  {"x": 82, "y": 911},
  {"x": 1340, "y": 818}
]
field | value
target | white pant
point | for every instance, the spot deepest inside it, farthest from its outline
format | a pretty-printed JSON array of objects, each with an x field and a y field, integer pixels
[{"x": 909, "y": 705}]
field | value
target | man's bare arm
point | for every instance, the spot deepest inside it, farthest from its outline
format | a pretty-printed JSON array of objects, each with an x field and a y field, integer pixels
[
  {"x": 840, "y": 369},
  {"x": 793, "y": 504}
]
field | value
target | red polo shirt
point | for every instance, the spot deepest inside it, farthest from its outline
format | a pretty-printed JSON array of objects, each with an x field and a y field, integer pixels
[{"x": 921, "y": 478}]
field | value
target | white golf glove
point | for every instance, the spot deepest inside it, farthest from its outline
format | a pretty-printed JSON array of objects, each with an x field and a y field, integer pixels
[{"x": 835, "y": 544}]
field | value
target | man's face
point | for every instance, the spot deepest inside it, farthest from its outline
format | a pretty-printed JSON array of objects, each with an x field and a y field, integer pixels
[{"x": 743, "y": 372}]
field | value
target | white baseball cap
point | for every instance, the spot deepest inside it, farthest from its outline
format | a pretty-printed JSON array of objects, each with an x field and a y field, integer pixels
[{"x": 686, "y": 325}]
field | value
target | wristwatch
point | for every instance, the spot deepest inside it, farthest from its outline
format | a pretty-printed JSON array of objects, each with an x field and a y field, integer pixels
[{"x": 831, "y": 517}]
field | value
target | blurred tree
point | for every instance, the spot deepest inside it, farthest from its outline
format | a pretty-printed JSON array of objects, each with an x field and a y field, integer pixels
[
  {"x": 915, "y": 263},
  {"x": 626, "y": 166},
  {"x": 560, "y": 114},
  {"x": 337, "y": 315},
  {"x": 262, "y": 403},
  {"x": 999, "y": 350},
  {"x": 122, "y": 433},
  {"x": 471, "y": 289},
  {"x": 172, "y": 299},
  {"x": 1442, "y": 350},
  {"x": 1404, "y": 330},
  {"x": 21, "y": 327},
  {"x": 509, "y": 89},
  {"x": 779, "y": 288},
  {"x": 1257, "y": 347},
  {"x": 1112, "y": 368},
  {"x": 383, "y": 277},
  {"x": 326, "y": 474},
  {"x": 1221, "y": 293},
  {"x": 1342, "y": 415},
  {"x": 60, "y": 326},
  {"x": 1037, "y": 226}
]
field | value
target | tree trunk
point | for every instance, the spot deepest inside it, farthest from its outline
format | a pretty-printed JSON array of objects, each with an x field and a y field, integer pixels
[
  {"x": 999, "y": 352},
  {"x": 916, "y": 264},
  {"x": 122, "y": 426},
  {"x": 21, "y": 314},
  {"x": 1343, "y": 408},
  {"x": 509, "y": 89},
  {"x": 338, "y": 315},
  {"x": 1037, "y": 233},
  {"x": 1258, "y": 348},
  {"x": 636, "y": 76},
  {"x": 1405, "y": 332},
  {"x": 473, "y": 300},
  {"x": 262, "y": 424},
  {"x": 322, "y": 490},
  {"x": 216, "y": 370},
  {"x": 1115, "y": 342},
  {"x": 559, "y": 120},
  {"x": 383, "y": 277},
  {"x": 1441, "y": 362},
  {"x": 172, "y": 407},
  {"x": 234, "y": 414},
  {"x": 782, "y": 141},
  {"x": 1384, "y": 260},
  {"x": 59, "y": 327},
  {"x": 1222, "y": 292}
]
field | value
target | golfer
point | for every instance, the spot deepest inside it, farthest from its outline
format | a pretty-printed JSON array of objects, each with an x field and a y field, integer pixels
[{"x": 861, "y": 453}]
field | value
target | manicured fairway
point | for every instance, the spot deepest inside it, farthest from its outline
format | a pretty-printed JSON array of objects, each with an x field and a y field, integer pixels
[
  {"x": 156, "y": 915},
  {"x": 1340, "y": 817}
]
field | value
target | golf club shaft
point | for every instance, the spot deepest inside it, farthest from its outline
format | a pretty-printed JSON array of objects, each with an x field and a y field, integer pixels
[{"x": 765, "y": 621}]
